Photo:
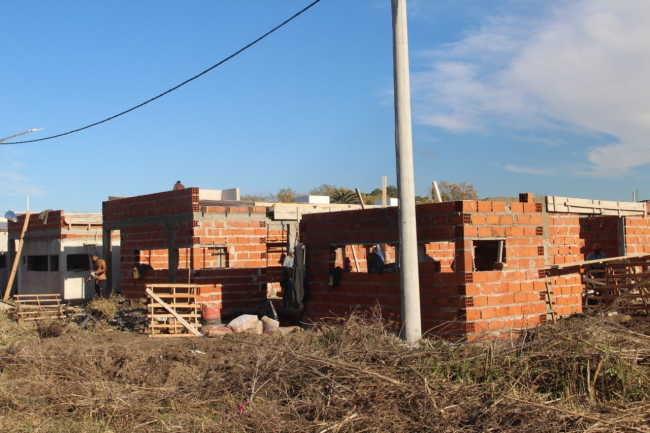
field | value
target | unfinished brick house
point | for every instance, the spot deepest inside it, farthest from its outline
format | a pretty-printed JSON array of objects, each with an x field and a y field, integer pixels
[
  {"x": 55, "y": 256},
  {"x": 232, "y": 249},
  {"x": 484, "y": 266}
]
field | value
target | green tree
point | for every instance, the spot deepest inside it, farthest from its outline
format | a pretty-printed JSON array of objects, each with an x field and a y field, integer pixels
[
  {"x": 259, "y": 198},
  {"x": 456, "y": 191},
  {"x": 391, "y": 192},
  {"x": 286, "y": 195},
  {"x": 324, "y": 189},
  {"x": 344, "y": 196}
]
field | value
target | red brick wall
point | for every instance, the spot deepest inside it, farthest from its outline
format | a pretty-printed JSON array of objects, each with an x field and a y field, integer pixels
[
  {"x": 151, "y": 205},
  {"x": 54, "y": 223},
  {"x": 456, "y": 304},
  {"x": 602, "y": 230},
  {"x": 236, "y": 288},
  {"x": 637, "y": 235}
]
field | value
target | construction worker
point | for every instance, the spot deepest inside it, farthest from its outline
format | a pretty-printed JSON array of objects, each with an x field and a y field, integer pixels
[
  {"x": 178, "y": 185},
  {"x": 99, "y": 274},
  {"x": 596, "y": 254}
]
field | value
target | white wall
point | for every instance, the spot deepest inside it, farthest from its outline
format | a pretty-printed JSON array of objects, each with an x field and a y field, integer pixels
[
  {"x": 39, "y": 282},
  {"x": 71, "y": 285}
]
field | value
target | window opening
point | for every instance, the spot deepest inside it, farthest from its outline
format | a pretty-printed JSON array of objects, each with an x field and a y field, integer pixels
[
  {"x": 487, "y": 253},
  {"x": 77, "y": 262},
  {"x": 54, "y": 263},
  {"x": 37, "y": 263}
]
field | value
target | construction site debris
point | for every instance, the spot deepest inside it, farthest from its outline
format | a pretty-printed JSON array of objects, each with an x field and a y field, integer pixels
[
  {"x": 219, "y": 331},
  {"x": 243, "y": 322},
  {"x": 582, "y": 374}
]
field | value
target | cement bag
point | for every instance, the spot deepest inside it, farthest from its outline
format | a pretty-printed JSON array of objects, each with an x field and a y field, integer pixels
[
  {"x": 219, "y": 332},
  {"x": 210, "y": 311},
  {"x": 243, "y": 322},
  {"x": 270, "y": 323},
  {"x": 256, "y": 329}
]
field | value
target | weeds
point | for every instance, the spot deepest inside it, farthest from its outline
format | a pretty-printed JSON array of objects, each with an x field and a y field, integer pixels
[{"x": 356, "y": 375}]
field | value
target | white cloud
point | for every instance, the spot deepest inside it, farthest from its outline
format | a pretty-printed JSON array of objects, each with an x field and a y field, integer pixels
[
  {"x": 14, "y": 184},
  {"x": 583, "y": 68},
  {"x": 530, "y": 170}
]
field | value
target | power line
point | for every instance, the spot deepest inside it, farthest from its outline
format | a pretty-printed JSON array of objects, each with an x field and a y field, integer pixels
[{"x": 176, "y": 87}]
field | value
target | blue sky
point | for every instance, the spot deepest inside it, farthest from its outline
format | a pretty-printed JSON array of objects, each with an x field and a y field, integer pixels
[{"x": 549, "y": 97}]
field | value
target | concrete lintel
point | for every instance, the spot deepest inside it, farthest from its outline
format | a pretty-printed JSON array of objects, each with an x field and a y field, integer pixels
[
  {"x": 229, "y": 216},
  {"x": 53, "y": 234},
  {"x": 160, "y": 219}
]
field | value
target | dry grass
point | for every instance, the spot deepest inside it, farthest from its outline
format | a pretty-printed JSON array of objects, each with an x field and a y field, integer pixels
[
  {"x": 580, "y": 374},
  {"x": 104, "y": 307},
  {"x": 13, "y": 333}
]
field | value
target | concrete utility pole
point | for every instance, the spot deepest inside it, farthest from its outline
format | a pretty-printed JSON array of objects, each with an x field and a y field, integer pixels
[{"x": 408, "y": 250}]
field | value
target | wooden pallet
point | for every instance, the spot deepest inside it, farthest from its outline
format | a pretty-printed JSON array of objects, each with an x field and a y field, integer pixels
[
  {"x": 172, "y": 310},
  {"x": 38, "y": 307},
  {"x": 624, "y": 287}
]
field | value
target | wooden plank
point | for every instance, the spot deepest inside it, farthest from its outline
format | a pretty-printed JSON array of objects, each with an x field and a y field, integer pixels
[
  {"x": 14, "y": 267},
  {"x": 612, "y": 304},
  {"x": 173, "y": 286},
  {"x": 360, "y": 197},
  {"x": 588, "y": 262},
  {"x": 594, "y": 207},
  {"x": 617, "y": 286},
  {"x": 626, "y": 276},
  {"x": 174, "y": 304},
  {"x": 356, "y": 261},
  {"x": 171, "y": 335},
  {"x": 189, "y": 327},
  {"x": 614, "y": 297},
  {"x": 550, "y": 302},
  {"x": 595, "y": 282},
  {"x": 189, "y": 316},
  {"x": 168, "y": 326}
]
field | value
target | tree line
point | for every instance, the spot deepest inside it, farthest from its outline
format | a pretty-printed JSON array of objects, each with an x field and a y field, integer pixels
[{"x": 337, "y": 194}]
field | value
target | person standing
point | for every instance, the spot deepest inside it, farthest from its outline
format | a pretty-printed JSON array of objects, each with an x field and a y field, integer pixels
[
  {"x": 178, "y": 185},
  {"x": 596, "y": 254},
  {"x": 99, "y": 274}
]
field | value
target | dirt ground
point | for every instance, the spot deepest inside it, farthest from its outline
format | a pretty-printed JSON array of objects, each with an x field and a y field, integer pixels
[{"x": 582, "y": 374}]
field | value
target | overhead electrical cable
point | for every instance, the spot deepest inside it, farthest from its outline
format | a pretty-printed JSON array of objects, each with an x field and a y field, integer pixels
[{"x": 176, "y": 87}]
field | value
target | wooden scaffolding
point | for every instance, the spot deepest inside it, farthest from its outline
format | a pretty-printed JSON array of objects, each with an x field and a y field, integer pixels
[{"x": 622, "y": 286}]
